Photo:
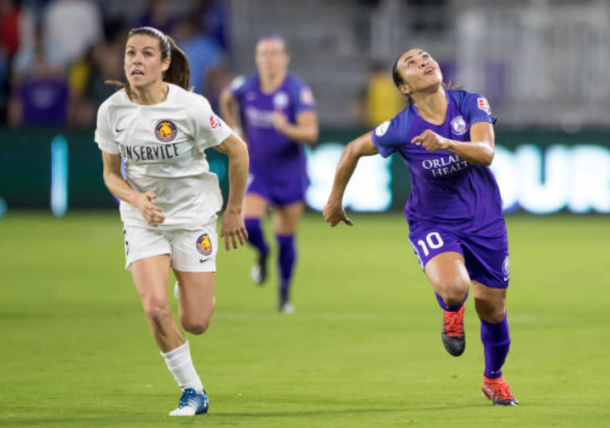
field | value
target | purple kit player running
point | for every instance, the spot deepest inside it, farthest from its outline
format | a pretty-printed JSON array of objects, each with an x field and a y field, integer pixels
[
  {"x": 454, "y": 211},
  {"x": 277, "y": 112}
]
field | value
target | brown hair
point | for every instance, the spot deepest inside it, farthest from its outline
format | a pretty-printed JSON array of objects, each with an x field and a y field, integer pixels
[
  {"x": 398, "y": 80},
  {"x": 179, "y": 71}
]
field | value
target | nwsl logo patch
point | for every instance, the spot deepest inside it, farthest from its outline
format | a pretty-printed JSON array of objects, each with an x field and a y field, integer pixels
[
  {"x": 213, "y": 122},
  {"x": 459, "y": 125},
  {"x": 483, "y": 105},
  {"x": 166, "y": 131},
  {"x": 204, "y": 244}
]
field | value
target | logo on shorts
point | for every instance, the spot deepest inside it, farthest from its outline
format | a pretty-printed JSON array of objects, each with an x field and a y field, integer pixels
[
  {"x": 459, "y": 125},
  {"x": 505, "y": 269},
  {"x": 166, "y": 131},
  {"x": 204, "y": 244}
]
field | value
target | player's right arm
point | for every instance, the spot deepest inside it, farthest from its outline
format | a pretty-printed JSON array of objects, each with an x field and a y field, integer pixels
[
  {"x": 229, "y": 106},
  {"x": 117, "y": 185},
  {"x": 362, "y": 146}
]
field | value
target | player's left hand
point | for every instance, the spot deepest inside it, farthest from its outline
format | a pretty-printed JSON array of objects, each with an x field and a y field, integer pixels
[
  {"x": 431, "y": 141},
  {"x": 279, "y": 121},
  {"x": 233, "y": 229}
]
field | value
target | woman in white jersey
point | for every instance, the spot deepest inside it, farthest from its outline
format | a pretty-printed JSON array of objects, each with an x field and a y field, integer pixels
[{"x": 169, "y": 199}]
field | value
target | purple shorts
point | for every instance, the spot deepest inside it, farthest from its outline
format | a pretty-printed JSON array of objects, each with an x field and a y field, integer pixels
[
  {"x": 278, "y": 192},
  {"x": 485, "y": 252}
]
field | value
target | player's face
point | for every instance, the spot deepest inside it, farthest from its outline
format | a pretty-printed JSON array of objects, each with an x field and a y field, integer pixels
[
  {"x": 271, "y": 58},
  {"x": 419, "y": 71},
  {"x": 143, "y": 65}
]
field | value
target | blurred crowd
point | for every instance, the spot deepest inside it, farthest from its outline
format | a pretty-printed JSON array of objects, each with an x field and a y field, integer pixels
[{"x": 56, "y": 55}]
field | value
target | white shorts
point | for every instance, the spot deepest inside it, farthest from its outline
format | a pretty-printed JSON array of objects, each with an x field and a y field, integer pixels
[{"x": 190, "y": 250}]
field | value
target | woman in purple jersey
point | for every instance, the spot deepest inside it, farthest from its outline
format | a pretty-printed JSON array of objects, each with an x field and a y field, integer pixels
[
  {"x": 277, "y": 113},
  {"x": 454, "y": 210}
]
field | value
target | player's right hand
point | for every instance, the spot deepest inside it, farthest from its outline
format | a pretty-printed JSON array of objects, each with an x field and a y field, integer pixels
[
  {"x": 150, "y": 212},
  {"x": 334, "y": 214}
]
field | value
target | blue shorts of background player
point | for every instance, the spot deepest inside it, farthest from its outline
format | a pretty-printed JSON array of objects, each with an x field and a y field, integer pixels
[{"x": 278, "y": 193}]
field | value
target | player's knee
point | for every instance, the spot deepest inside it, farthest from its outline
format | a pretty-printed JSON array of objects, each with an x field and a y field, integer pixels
[
  {"x": 157, "y": 311},
  {"x": 195, "y": 327},
  {"x": 490, "y": 311},
  {"x": 452, "y": 293}
]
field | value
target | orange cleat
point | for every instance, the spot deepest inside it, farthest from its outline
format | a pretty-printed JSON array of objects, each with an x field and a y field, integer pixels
[
  {"x": 453, "y": 334},
  {"x": 498, "y": 391}
]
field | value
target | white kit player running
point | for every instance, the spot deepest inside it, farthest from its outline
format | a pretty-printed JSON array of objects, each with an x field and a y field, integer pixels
[{"x": 169, "y": 199}]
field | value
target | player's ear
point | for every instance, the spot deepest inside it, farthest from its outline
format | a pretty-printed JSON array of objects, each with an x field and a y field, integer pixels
[
  {"x": 405, "y": 89},
  {"x": 165, "y": 64}
]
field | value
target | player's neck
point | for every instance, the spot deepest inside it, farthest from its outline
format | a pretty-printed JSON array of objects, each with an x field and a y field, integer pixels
[
  {"x": 270, "y": 83},
  {"x": 149, "y": 95},
  {"x": 432, "y": 107}
]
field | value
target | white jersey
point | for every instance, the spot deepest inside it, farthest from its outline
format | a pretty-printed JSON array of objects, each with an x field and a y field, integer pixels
[{"x": 162, "y": 146}]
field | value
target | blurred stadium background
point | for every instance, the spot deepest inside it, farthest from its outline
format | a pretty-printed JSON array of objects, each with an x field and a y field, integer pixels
[{"x": 363, "y": 348}]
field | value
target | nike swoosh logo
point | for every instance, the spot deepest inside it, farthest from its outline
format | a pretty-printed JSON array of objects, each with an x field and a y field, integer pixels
[
  {"x": 506, "y": 278},
  {"x": 120, "y": 130},
  {"x": 203, "y": 260}
]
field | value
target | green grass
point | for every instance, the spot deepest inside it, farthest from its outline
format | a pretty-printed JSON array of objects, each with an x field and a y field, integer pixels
[{"x": 362, "y": 350}]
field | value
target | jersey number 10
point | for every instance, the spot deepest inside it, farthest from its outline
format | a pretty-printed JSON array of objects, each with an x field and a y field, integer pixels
[{"x": 433, "y": 240}]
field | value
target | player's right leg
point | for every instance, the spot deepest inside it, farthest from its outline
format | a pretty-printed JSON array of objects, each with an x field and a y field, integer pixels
[
  {"x": 449, "y": 278},
  {"x": 150, "y": 276},
  {"x": 440, "y": 256},
  {"x": 255, "y": 209}
]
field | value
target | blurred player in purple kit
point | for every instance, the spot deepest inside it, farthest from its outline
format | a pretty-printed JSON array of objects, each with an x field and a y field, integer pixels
[
  {"x": 454, "y": 212},
  {"x": 277, "y": 113}
]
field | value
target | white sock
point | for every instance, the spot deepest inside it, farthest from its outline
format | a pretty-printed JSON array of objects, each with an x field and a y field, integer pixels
[{"x": 181, "y": 366}]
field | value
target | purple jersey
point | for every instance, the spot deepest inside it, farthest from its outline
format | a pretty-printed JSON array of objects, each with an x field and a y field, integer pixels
[
  {"x": 273, "y": 155},
  {"x": 445, "y": 189}
]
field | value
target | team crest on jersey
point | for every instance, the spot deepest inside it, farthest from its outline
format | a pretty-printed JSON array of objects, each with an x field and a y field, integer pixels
[
  {"x": 459, "y": 126},
  {"x": 506, "y": 267},
  {"x": 166, "y": 131},
  {"x": 204, "y": 244},
  {"x": 280, "y": 101},
  {"x": 484, "y": 105}
]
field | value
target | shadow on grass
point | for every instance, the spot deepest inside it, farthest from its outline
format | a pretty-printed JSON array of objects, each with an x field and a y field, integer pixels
[{"x": 133, "y": 420}]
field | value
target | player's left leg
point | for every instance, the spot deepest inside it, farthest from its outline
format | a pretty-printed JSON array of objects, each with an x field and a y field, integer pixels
[
  {"x": 490, "y": 304},
  {"x": 285, "y": 221},
  {"x": 196, "y": 306}
]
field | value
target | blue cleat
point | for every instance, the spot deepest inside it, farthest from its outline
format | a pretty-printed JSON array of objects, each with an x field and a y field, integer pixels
[{"x": 192, "y": 403}]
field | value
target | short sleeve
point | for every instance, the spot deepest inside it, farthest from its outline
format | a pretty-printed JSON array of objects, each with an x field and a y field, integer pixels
[
  {"x": 387, "y": 138},
  {"x": 476, "y": 109},
  {"x": 103, "y": 132},
  {"x": 211, "y": 130},
  {"x": 238, "y": 86},
  {"x": 303, "y": 98}
]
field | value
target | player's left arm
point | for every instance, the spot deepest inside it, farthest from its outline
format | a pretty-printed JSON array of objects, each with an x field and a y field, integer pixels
[
  {"x": 304, "y": 130},
  {"x": 232, "y": 227},
  {"x": 480, "y": 150}
]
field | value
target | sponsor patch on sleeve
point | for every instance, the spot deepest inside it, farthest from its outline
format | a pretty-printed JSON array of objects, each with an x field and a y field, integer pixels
[
  {"x": 483, "y": 105},
  {"x": 306, "y": 96},
  {"x": 382, "y": 129}
]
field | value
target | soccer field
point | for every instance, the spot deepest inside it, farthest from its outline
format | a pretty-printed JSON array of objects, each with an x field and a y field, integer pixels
[{"x": 362, "y": 350}]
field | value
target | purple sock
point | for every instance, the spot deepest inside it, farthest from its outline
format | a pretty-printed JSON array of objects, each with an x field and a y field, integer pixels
[
  {"x": 444, "y": 306},
  {"x": 288, "y": 256},
  {"x": 255, "y": 235},
  {"x": 496, "y": 343}
]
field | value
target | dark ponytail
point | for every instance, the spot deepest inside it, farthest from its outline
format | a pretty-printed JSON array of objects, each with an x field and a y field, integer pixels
[{"x": 179, "y": 71}]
